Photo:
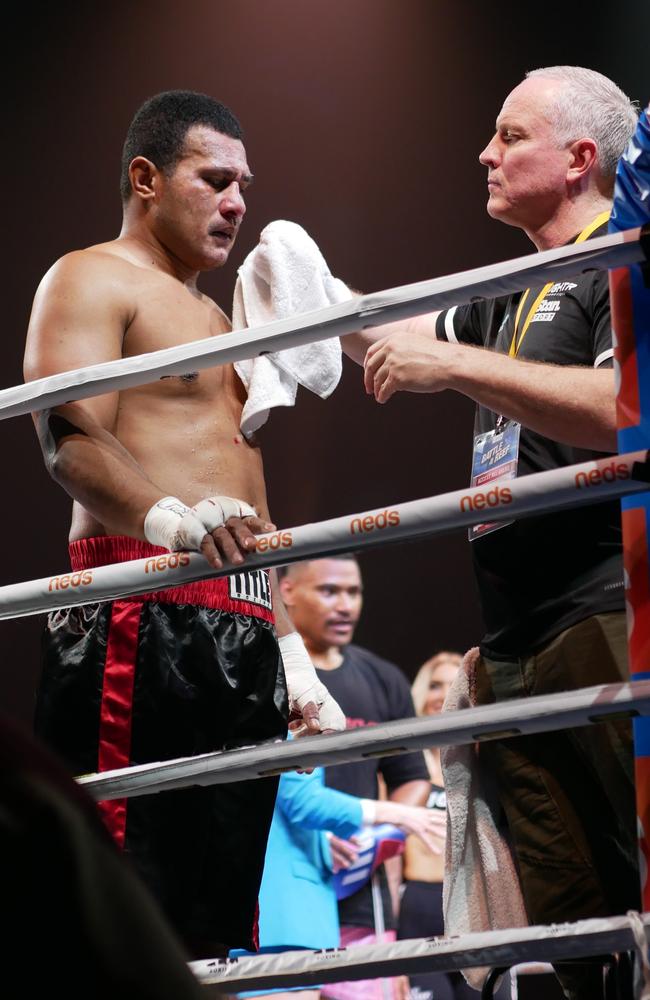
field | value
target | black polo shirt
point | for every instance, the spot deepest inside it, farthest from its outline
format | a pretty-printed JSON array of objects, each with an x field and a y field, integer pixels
[
  {"x": 370, "y": 691},
  {"x": 543, "y": 574}
]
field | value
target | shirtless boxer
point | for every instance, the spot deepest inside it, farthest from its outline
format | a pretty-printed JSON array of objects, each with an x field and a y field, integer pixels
[{"x": 164, "y": 467}]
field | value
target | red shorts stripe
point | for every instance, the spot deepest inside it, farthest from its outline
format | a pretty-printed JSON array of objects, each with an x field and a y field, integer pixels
[{"x": 117, "y": 705}]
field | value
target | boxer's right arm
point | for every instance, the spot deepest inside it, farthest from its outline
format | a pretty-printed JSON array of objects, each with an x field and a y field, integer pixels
[{"x": 80, "y": 314}]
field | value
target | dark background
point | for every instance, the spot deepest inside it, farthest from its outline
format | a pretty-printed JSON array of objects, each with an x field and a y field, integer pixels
[{"x": 363, "y": 122}]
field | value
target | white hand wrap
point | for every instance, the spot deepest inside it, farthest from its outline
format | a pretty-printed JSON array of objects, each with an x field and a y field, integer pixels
[
  {"x": 174, "y": 526},
  {"x": 303, "y": 684}
]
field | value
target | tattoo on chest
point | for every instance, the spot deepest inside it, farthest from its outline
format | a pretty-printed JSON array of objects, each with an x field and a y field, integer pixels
[{"x": 188, "y": 377}]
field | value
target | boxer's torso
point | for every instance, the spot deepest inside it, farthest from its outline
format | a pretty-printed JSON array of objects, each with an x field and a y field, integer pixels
[{"x": 182, "y": 430}]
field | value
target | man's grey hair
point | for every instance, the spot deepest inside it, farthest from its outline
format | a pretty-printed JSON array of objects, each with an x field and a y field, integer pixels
[{"x": 590, "y": 105}]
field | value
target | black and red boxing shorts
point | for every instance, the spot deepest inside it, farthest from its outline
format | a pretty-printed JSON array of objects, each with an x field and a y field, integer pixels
[{"x": 173, "y": 673}]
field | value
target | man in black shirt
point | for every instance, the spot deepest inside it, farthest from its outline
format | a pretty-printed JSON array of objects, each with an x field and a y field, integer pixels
[
  {"x": 539, "y": 366},
  {"x": 324, "y": 600}
]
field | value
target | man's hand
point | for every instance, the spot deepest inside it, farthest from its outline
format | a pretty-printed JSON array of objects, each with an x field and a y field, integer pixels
[
  {"x": 233, "y": 540},
  {"x": 344, "y": 852},
  {"x": 410, "y": 361},
  {"x": 221, "y": 528},
  {"x": 429, "y": 825},
  {"x": 308, "y": 698}
]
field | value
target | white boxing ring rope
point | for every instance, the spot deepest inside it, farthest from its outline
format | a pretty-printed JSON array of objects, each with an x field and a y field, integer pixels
[
  {"x": 543, "y": 943},
  {"x": 613, "y": 250},
  {"x": 537, "y": 714},
  {"x": 557, "y": 489}
]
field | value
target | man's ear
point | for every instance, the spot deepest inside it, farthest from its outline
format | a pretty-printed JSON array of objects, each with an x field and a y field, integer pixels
[
  {"x": 145, "y": 178},
  {"x": 286, "y": 591},
  {"x": 583, "y": 154}
]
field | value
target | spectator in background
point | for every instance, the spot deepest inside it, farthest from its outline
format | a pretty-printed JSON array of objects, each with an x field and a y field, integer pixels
[
  {"x": 297, "y": 896},
  {"x": 324, "y": 599}
]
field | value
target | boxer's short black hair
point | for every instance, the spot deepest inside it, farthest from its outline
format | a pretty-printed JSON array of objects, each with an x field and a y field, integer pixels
[{"x": 160, "y": 125}]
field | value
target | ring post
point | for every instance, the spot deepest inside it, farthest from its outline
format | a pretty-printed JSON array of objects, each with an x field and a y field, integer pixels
[{"x": 630, "y": 301}]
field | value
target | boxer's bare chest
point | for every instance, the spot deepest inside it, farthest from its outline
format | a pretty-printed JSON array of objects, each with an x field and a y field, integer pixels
[
  {"x": 184, "y": 425},
  {"x": 165, "y": 314}
]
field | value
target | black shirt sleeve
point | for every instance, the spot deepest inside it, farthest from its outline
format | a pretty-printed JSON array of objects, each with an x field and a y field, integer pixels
[
  {"x": 461, "y": 324},
  {"x": 406, "y": 767},
  {"x": 601, "y": 322}
]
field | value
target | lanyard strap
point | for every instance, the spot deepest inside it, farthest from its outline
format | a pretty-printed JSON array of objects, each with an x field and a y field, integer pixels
[{"x": 516, "y": 343}]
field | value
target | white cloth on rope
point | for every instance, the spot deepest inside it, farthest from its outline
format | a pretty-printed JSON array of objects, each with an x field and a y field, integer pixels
[
  {"x": 285, "y": 275},
  {"x": 481, "y": 890}
]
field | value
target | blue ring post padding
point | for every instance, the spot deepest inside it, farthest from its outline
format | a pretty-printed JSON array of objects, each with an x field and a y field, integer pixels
[{"x": 632, "y": 208}]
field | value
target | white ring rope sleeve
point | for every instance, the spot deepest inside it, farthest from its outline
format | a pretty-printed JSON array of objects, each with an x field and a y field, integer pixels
[
  {"x": 537, "y": 714},
  {"x": 546, "y": 943},
  {"x": 557, "y": 489},
  {"x": 613, "y": 250}
]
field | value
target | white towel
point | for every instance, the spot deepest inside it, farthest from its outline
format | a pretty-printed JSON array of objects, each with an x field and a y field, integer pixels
[
  {"x": 481, "y": 890},
  {"x": 283, "y": 276}
]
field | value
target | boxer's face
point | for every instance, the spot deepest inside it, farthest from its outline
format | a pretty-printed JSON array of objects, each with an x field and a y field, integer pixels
[
  {"x": 324, "y": 599},
  {"x": 527, "y": 168},
  {"x": 441, "y": 678},
  {"x": 199, "y": 205}
]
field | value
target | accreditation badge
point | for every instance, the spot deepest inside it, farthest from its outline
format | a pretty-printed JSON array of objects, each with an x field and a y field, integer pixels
[{"x": 494, "y": 460}]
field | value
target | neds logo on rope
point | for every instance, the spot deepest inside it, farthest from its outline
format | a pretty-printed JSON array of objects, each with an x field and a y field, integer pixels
[
  {"x": 387, "y": 518},
  {"x": 279, "y": 540},
  {"x": 498, "y": 496},
  {"x": 79, "y": 579},
  {"x": 605, "y": 474},
  {"x": 160, "y": 563}
]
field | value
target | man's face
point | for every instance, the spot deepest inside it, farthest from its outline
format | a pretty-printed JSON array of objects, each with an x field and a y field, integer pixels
[
  {"x": 324, "y": 599},
  {"x": 199, "y": 204},
  {"x": 527, "y": 169}
]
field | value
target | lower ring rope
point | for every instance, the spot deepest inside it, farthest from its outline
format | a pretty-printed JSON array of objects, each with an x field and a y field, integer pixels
[
  {"x": 540, "y": 713},
  {"x": 543, "y": 943}
]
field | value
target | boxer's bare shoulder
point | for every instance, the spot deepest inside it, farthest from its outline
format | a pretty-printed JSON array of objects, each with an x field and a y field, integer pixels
[{"x": 113, "y": 286}]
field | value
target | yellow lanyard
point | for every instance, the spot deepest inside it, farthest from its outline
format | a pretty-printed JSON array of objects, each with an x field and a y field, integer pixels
[{"x": 516, "y": 343}]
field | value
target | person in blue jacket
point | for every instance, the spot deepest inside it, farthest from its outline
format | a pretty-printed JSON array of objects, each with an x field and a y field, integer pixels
[
  {"x": 298, "y": 906},
  {"x": 297, "y": 900}
]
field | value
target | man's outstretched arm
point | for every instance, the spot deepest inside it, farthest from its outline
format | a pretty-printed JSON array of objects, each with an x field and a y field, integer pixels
[
  {"x": 356, "y": 345},
  {"x": 575, "y": 405}
]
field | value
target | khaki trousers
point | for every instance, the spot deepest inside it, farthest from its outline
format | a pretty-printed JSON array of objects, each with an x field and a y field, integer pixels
[{"x": 569, "y": 796}]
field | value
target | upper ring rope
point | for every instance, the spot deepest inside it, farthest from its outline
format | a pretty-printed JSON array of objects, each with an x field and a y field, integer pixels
[{"x": 613, "y": 250}]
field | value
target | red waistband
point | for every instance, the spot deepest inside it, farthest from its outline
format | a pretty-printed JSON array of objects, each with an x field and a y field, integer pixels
[{"x": 246, "y": 593}]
